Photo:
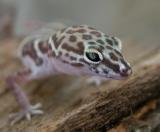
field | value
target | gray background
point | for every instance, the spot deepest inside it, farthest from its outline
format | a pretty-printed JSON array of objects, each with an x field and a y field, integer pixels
[{"x": 136, "y": 19}]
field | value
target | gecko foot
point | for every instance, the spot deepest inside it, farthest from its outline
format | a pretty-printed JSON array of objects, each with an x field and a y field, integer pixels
[
  {"x": 31, "y": 111},
  {"x": 95, "y": 80}
]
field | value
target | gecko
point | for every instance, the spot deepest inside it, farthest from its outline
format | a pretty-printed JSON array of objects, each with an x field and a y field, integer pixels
[{"x": 79, "y": 50}]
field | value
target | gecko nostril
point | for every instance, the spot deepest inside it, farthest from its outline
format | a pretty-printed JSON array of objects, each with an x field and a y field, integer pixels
[{"x": 126, "y": 72}]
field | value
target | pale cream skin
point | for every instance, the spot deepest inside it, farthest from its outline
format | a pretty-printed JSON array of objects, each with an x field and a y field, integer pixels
[{"x": 76, "y": 50}]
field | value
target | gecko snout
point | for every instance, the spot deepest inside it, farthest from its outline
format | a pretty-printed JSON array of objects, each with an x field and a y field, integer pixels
[{"x": 126, "y": 72}]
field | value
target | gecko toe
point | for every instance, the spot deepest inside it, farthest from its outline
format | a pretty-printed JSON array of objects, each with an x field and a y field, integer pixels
[
  {"x": 36, "y": 106},
  {"x": 95, "y": 80},
  {"x": 25, "y": 114},
  {"x": 37, "y": 112},
  {"x": 15, "y": 118},
  {"x": 28, "y": 116}
]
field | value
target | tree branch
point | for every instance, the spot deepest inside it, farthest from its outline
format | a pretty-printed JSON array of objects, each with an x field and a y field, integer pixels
[{"x": 106, "y": 111}]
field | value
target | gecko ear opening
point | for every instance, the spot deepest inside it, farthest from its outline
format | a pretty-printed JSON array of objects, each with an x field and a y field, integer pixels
[{"x": 93, "y": 56}]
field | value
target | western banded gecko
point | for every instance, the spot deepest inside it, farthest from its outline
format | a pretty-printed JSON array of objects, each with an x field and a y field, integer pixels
[{"x": 75, "y": 50}]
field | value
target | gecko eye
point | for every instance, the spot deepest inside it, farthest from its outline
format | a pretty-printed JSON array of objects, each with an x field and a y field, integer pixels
[{"x": 93, "y": 56}]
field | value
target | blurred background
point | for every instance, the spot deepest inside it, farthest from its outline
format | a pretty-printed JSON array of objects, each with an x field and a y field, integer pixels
[
  {"x": 135, "y": 22},
  {"x": 138, "y": 19}
]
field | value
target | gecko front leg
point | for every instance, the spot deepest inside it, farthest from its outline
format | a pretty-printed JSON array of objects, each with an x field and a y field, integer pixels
[
  {"x": 27, "y": 110},
  {"x": 95, "y": 80}
]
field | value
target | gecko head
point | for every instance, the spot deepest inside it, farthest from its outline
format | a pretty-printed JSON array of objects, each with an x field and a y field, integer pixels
[
  {"x": 92, "y": 52},
  {"x": 105, "y": 59}
]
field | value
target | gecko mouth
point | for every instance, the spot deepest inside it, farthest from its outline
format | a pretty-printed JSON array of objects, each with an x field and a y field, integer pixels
[
  {"x": 116, "y": 77},
  {"x": 124, "y": 74}
]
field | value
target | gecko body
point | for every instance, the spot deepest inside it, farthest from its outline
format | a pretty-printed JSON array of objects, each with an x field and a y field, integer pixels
[{"x": 75, "y": 50}]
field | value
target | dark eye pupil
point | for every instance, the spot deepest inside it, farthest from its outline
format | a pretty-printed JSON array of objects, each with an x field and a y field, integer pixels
[{"x": 93, "y": 56}]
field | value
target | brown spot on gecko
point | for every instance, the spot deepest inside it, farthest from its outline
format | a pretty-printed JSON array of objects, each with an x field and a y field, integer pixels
[
  {"x": 56, "y": 41},
  {"x": 28, "y": 50},
  {"x": 81, "y": 46},
  {"x": 54, "y": 38},
  {"x": 64, "y": 61},
  {"x": 72, "y": 38},
  {"x": 105, "y": 71},
  {"x": 99, "y": 48},
  {"x": 92, "y": 42},
  {"x": 114, "y": 67},
  {"x": 96, "y": 71},
  {"x": 113, "y": 56},
  {"x": 100, "y": 41},
  {"x": 24, "y": 72},
  {"x": 73, "y": 58},
  {"x": 60, "y": 53},
  {"x": 44, "y": 46},
  {"x": 86, "y": 37},
  {"x": 109, "y": 42},
  {"x": 109, "y": 47},
  {"x": 78, "y": 50},
  {"x": 67, "y": 54},
  {"x": 124, "y": 63},
  {"x": 97, "y": 34},
  {"x": 39, "y": 61},
  {"x": 81, "y": 31},
  {"x": 118, "y": 53},
  {"x": 70, "y": 31},
  {"x": 51, "y": 54},
  {"x": 77, "y": 64},
  {"x": 115, "y": 41}
]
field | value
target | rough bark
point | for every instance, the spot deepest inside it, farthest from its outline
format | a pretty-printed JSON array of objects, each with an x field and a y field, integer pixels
[
  {"x": 59, "y": 96},
  {"x": 107, "y": 110}
]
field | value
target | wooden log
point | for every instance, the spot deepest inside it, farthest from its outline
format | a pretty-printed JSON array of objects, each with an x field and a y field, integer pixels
[
  {"x": 146, "y": 120},
  {"x": 106, "y": 111}
]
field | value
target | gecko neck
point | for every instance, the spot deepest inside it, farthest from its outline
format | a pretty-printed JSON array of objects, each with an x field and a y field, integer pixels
[{"x": 54, "y": 42}]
